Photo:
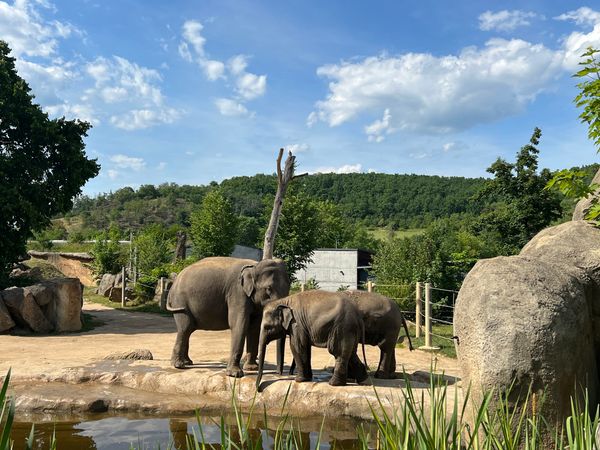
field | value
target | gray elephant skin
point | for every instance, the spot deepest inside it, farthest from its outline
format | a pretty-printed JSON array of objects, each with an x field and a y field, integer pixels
[
  {"x": 315, "y": 318},
  {"x": 383, "y": 320},
  {"x": 219, "y": 293}
]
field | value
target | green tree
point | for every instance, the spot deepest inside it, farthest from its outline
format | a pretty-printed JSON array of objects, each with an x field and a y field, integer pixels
[
  {"x": 335, "y": 229},
  {"x": 154, "y": 248},
  {"x": 43, "y": 164},
  {"x": 572, "y": 183},
  {"x": 298, "y": 232},
  {"x": 107, "y": 253},
  {"x": 214, "y": 226},
  {"x": 520, "y": 204},
  {"x": 249, "y": 231}
]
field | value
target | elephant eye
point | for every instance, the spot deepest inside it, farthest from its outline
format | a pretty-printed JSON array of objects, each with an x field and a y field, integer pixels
[{"x": 269, "y": 291}]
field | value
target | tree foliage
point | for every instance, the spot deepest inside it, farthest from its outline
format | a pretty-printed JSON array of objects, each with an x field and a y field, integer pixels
[
  {"x": 214, "y": 226},
  {"x": 154, "y": 246},
  {"x": 108, "y": 255},
  {"x": 43, "y": 164},
  {"x": 519, "y": 206}
]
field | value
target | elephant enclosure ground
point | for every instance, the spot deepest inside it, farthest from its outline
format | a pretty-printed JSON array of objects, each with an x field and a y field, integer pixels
[{"x": 67, "y": 373}]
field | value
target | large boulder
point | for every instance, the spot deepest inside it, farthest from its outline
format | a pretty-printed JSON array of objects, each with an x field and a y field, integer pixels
[
  {"x": 25, "y": 311},
  {"x": 532, "y": 320},
  {"x": 69, "y": 300},
  {"x": 6, "y": 321},
  {"x": 106, "y": 283}
]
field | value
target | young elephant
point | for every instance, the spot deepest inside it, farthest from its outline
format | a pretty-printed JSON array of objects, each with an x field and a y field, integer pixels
[
  {"x": 382, "y": 320},
  {"x": 323, "y": 319}
]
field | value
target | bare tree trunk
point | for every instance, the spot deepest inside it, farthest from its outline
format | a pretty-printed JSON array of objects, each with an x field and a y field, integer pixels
[
  {"x": 180, "y": 247},
  {"x": 283, "y": 179}
]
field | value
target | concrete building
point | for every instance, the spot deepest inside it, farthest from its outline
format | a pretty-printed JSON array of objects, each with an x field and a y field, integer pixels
[{"x": 335, "y": 267}]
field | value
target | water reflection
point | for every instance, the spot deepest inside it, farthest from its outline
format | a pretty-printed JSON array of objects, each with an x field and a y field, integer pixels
[{"x": 104, "y": 432}]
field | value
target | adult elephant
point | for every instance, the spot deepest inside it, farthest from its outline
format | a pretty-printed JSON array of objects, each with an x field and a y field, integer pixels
[
  {"x": 220, "y": 293},
  {"x": 315, "y": 318}
]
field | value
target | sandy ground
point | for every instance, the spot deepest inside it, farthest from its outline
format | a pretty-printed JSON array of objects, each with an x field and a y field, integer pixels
[{"x": 67, "y": 373}]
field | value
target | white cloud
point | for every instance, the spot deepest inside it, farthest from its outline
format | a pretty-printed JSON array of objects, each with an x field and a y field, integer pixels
[
  {"x": 76, "y": 111},
  {"x": 376, "y": 130},
  {"x": 581, "y": 16},
  {"x": 420, "y": 155},
  {"x": 346, "y": 168},
  {"x": 251, "y": 86},
  {"x": 184, "y": 51},
  {"x": 191, "y": 33},
  {"x": 298, "y": 148},
  {"x": 312, "y": 118},
  {"x": 248, "y": 86},
  {"x": 576, "y": 44},
  {"x": 228, "y": 107},
  {"x": 137, "y": 119},
  {"x": 128, "y": 162},
  {"x": 237, "y": 65},
  {"x": 439, "y": 94},
  {"x": 505, "y": 20},
  {"x": 112, "y": 174},
  {"x": 448, "y": 146},
  {"x": 213, "y": 69},
  {"x": 161, "y": 165}
]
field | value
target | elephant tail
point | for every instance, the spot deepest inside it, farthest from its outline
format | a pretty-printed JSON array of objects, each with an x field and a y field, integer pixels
[
  {"x": 410, "y": 345},
  {"x": 171, "y": 308},
  {"x": 362, "y": 343}
]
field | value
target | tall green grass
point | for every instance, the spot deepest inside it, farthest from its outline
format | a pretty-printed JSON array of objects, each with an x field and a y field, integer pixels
[{"x": 491, "y": 423}]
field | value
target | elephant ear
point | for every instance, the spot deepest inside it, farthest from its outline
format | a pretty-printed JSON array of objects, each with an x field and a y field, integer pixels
[
  {"x": 287, "y": 316},
  {"x": 247, "y": 280}
]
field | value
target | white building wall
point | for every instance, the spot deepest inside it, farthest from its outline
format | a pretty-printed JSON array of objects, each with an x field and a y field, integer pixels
[{"x": 332, "y": 269}]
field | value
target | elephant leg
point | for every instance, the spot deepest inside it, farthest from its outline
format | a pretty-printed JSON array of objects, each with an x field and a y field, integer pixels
[
  {"x": 340, "y": 372},
  {"x": 185, "y": 327},
  {"x": 356, "y": 369},
  {"x": 302, "y": 358},
  {"x": 252, "y": 345},
  {"x": 387, "y": 360},
  {"x": 239, "y": 323}
]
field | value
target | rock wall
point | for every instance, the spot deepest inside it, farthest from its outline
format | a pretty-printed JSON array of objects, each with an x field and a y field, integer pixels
[
  {"x": 533, "y": 319},
  {"x": 53, "y": 305},
  {"x": 75, "y": 265}
]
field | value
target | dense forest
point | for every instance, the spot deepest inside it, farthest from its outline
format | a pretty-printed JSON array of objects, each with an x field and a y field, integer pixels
[{"x": 373, "y": 199}]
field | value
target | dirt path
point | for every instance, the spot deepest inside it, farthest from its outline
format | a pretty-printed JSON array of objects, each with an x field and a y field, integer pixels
[{"x": 46, "y": 370}]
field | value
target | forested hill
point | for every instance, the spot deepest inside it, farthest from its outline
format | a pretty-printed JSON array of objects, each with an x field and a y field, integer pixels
[{"x": 371, "y": 198}]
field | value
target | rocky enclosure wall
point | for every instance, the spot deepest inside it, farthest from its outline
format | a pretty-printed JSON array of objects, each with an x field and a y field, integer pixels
[
  {"x": 49, "y": 306},
  {"x": 534, "y": 319},
  {"x": 75, "y": 265}
]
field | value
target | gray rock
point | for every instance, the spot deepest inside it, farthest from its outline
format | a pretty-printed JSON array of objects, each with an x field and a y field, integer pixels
[
  {"x": 43, "y": 293},
  {"x": 106, "y": 283},
  {"x": 6, "y": 321},
  {"x": 531, "y": 319},
  {"x": 25, "y": 311},
  {"x": 138, "y": 354},
  {"x": 69, "y": 301},
  {"x": 584, "y": 204}
]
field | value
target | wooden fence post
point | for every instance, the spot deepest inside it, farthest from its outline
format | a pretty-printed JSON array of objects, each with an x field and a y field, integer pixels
[
  {"x": 123, "y": 284},
  {"x": 163, "y": 294},
  {"x": 418, "y": 301},
  {"x": 428, "y": 345},
  {"x": 369, "y": 286},
  {"x": 302, "y": 287}
]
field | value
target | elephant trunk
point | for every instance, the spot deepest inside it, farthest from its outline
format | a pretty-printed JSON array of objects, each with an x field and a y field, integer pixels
[
  {"x": 280, "y": 354},
  {"x": 262, "y": 349}
]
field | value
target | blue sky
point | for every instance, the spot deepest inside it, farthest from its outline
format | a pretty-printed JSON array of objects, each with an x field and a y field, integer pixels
[{"x": 190, "y": 92}]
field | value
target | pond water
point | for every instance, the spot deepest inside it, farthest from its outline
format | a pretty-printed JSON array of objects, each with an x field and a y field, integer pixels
[{"x": 106, "y": 432}]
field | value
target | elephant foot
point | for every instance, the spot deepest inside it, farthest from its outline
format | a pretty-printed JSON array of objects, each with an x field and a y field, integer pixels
[
  {"x": 250, "y": 366},
  {"x": 188, "y": 361},
  {"x": 179, "y": 363},
  {"x": 302, "y": 379},
  {"x": 337, "y": 381},
  {"x": 384, "y": 375},
  {"x": 235, "y": 372}
]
